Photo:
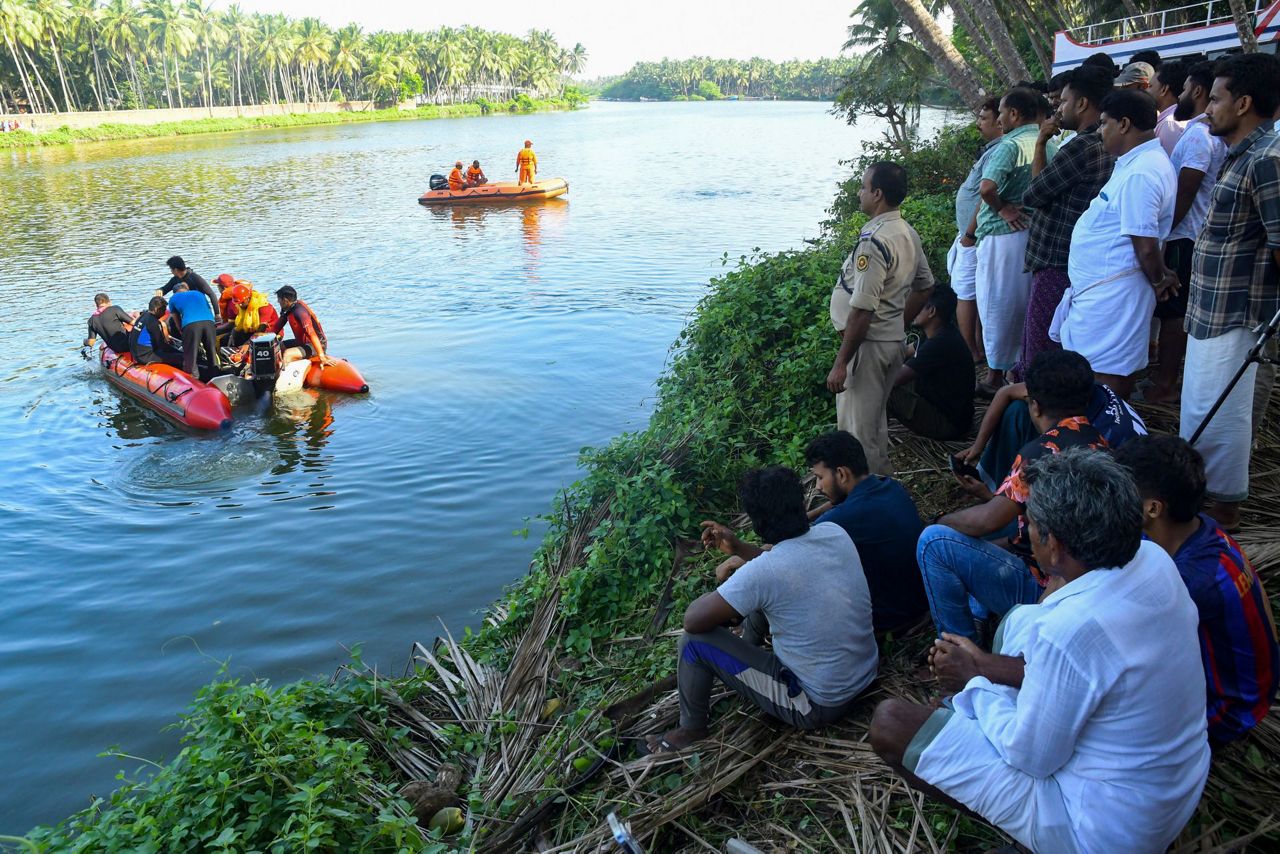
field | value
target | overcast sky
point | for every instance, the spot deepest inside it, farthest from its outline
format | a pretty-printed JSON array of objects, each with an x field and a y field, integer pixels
[{"x": 615, "y": 34}]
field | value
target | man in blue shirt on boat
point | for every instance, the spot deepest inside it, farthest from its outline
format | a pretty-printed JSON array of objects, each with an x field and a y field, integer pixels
[{"x": 199, "y": 329}]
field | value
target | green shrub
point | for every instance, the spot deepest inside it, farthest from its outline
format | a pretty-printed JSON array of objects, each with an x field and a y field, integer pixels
[
  {"x": 261, "y": 768},
  {"x": 937, "y": 166},
  {"x": 709, "y": 90}
]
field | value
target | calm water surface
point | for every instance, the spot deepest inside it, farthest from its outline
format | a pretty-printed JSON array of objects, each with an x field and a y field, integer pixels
[{"x": 497, "y": 341}]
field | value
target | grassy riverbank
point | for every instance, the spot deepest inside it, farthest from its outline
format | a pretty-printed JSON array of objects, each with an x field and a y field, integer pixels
[
  {"x": 109, "y": 131},
  {"x": 536, "y": 712}
]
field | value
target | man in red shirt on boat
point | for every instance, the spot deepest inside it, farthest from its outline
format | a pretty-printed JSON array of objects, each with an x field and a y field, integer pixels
[
  {"x": 456, "y": 179},
  {"x": 475, "y": 175},
  {"x": 526, "y": 163},
  {"x": 308, "y": 339}
]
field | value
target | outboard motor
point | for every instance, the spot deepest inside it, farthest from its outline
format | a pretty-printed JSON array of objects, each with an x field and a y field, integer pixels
[
  {"x": 439, "y": 182},
  {"x": 264, "y": 362}
]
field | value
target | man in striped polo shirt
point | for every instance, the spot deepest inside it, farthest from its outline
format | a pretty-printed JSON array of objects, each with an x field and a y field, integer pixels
[{"x": 1237, "y": 632}]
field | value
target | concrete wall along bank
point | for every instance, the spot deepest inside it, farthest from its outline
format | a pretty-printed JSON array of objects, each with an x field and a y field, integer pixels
[{"x": 41, "y": 122}]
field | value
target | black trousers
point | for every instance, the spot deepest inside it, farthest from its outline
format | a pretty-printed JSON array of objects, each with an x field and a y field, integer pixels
[
  {"x": 147, "y": 356},
  {"x": 202, "y": 333}
]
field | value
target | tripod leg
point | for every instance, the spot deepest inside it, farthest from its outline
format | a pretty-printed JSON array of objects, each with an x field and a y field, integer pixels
[{"x": 1222, "y": 398}]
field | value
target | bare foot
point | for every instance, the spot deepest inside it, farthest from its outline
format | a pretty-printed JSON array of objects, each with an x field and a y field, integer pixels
[
  {"x": 1161, "y": 394},
  {"x": 674, "y": 740}
]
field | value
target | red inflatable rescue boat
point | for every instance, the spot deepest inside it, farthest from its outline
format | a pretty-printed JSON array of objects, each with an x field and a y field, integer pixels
[
  {"x": 340, "y": 376},
  {"x": 170, "y": 391}
]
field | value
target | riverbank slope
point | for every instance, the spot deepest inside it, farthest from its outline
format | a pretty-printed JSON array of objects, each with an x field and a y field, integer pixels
[
  {"x": 528, "y": 725},
  {"x": 113, "y": 131}
]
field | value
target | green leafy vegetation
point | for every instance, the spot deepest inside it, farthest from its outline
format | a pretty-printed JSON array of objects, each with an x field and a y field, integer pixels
[
  {"x": 704, "y": 78},
  {"x": 521, "y": 104},
  {"x": 279, "y": 769}
]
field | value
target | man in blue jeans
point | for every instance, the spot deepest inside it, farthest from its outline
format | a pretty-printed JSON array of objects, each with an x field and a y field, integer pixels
[{"x": 958, "y": 557}]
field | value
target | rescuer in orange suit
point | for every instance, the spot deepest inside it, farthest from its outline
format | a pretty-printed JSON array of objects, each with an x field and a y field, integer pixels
[
  {"x": 527, "y": 163},
  {"x": 456, "y": 180},
  {"x": 475, "y": 175}
]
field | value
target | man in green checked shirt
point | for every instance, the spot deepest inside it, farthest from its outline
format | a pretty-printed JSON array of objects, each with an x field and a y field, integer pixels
[{"x": 1003, "y": 281}]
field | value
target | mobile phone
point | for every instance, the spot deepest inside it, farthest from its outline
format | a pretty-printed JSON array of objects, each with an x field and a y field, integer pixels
[{"x": 963, "y": 469}]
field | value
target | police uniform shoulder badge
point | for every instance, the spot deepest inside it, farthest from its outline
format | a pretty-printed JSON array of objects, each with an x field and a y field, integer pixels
[{"x": 861, "y": 263}]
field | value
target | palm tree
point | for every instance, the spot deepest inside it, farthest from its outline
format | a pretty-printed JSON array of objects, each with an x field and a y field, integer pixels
[
  {"x": 347, "y": 43},
  {"x": 239, "y": 35},
  {"x": 577, "y": 60},
  {"x": 170, "y": 33},
  {"x": 86, "y": 17},
  {"x": 206, "y": 29},
  {"x": 314, "y": 43},
  {"x": 14, "y": 23},
  {"x": 52, "y": 19},
  {"x": 123, "y": 26}
]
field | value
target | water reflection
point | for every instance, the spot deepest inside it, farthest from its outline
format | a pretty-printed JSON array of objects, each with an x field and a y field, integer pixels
[{"x": 300, "y": 425}]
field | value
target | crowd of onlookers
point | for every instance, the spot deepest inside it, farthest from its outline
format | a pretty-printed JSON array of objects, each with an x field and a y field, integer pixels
[
  {"x": 9, "y": 125},
  {"x": 1099, "y": 631}
]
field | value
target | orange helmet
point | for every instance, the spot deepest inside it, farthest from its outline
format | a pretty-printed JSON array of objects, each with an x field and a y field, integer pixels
[
  {"x": 240, "y": 293},
  {"x": 224, "y": 279}
]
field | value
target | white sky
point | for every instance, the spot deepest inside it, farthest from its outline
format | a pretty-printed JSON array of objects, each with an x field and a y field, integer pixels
[{"x": 615, "y": 34}]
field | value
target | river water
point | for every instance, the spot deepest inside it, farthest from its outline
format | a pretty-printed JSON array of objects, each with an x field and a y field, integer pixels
[{"x": 498, "y": 342}]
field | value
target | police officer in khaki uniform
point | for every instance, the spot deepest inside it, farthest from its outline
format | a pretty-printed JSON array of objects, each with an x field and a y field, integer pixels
[{"x": 883, "y": 284}]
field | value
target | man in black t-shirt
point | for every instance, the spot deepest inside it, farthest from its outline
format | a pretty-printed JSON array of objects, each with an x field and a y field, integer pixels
[
  {"x": 182, "y": 273},
  {"x": 111, "y": 324},
  {"x": 149, "y": 342},
  {"x": 933, "y": 390}
]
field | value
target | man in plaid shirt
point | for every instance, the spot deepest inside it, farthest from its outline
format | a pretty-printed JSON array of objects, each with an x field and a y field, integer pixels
[
  {"x": 1058, "y": 194},
  {"x": 1234, "y": 278}
]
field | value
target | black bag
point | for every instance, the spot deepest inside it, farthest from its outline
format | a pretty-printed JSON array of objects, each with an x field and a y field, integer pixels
[{"x": 439, "y": 182}]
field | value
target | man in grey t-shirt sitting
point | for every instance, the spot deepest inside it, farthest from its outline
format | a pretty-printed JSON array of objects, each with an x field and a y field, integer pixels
[{"x": 807, "y": 589}]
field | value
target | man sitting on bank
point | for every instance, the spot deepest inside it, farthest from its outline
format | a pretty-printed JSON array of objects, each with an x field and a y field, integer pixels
[
  {"x": 1237, "y": 630},
  {"x": 879, "y": 516},
  {"x": 808, "y": 589},
  {"x": 957, "y": 558},
  {"x": 149, "y": 340},
  {"x": 1086, "y": 730},
  {"x": 933, "y": 391},
  {"x": 1007, "y": 427},
  {"x": 308, "y": 339}
]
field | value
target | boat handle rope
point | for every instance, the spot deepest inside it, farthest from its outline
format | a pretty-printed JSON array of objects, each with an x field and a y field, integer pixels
[
  {"x": 160, "y": 387},
  {"x": 174, "y": 397}
]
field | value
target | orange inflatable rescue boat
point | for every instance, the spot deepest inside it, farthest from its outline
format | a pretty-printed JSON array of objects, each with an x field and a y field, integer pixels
[
  {"x": 170, "y": 391},
  {"x": 502, "y": 191}
]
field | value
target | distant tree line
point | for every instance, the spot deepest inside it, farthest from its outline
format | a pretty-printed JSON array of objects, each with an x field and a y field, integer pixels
[
  {"x": 705, "y": 78},
  {"x": 84, "y": 54}
]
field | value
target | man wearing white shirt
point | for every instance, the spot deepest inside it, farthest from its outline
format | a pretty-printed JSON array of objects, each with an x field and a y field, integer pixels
[
  {"x": 1197, "y": 159},
  {"x": 1086, "y": 730},
  {"x": 1116, "y": 265}
]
